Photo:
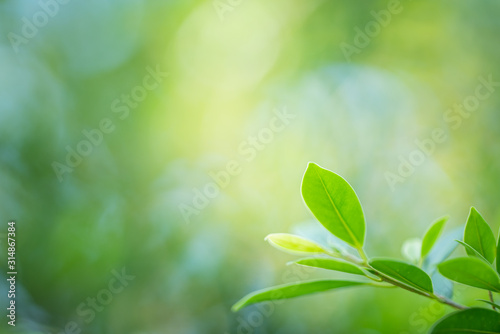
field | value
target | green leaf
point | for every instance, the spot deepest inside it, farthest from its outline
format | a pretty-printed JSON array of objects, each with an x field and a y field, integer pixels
[
  {"x": 404, "y": 272},
  {"x": 292, "y": 290},
  {"x": 473, "y": 320},
  {"x": 335, "y": 204},
  {"x": 331, "y": 264},
  {"x": 471, "y": 271},
  {"x": 498, "y": 254},
  {"x": 489, "y": 302},
  {"x": 472, "y": 251},
  {"x": 479, "y": 236},
  {"x": 432, "y": 235},
  {"x": 294, "y": 244}
]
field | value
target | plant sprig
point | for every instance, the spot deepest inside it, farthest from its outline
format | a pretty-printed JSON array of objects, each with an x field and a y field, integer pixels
[{"x": 336, "y": 206}]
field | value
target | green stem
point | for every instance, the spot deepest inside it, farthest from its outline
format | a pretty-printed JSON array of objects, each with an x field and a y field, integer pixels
[
  {"x": 363, "y": 255},
  {"x": 449, "y": 302},
  {"x": 387, "y": 279},
  {"x": 400, "y": 285},
  {"x": 440, "y": 299}
]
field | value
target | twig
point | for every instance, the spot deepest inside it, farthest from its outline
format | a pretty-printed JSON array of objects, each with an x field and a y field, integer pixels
[
  {"x": 492, "y": 300},
  {"x": 389, "y": 280}
]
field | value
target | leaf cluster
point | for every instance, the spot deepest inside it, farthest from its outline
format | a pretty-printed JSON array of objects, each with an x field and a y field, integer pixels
[{"x": 336, "y": 206}]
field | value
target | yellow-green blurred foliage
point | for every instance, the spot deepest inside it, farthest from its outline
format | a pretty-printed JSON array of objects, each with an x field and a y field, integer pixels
[{"x": 232, "y": 65}]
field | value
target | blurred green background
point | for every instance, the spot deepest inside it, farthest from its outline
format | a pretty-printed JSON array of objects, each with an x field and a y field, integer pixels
[{"x": 224, "y": 69}]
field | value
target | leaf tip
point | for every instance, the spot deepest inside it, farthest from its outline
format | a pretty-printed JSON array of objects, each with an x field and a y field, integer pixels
[
  {"x": 240, "y": 304},
  {"x": 269, "y": 237},
  {"x": 235, "y": 308},
  {"x": 311, "y": 164}
]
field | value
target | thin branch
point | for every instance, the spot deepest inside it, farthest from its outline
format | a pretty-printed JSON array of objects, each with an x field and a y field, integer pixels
[
  {"x": 492, "y": 300},
  {"x": 389, "y": 280},
  {"x": 450, "y": 302},
  {"x": 438, "y": 298},
  {"x": 400, "y": 285},
  {"x": 363, "y": 255}
]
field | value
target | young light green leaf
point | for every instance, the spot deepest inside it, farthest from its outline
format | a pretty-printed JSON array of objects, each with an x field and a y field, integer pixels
[
  {"x": 479, "y": 236},
  {"x": 489, "y": 302},
  {"x": 404, "y": 272},
  {"x": 335, "y": 204},
  {"x": 331, "y": 264},
  {"x": 471, "y": 271},
  {"x": 292, "y": 290},
  {"x": 473, "y": 320},
  {"x": 472, "y": 251},
  {"x": 294, "y": 244},
  {"x": 432, "y": 235}
]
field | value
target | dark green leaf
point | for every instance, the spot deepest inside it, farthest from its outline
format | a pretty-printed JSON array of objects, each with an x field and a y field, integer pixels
[
  {"x": 335, "y": 204},
  {"x": 432, "y": 235},
  {"x": 294, "y": 244},
  {"x": 331, "y": 264},
  {"x": 479, "y": 236},
  {"x": 473, "y": 320},
  {"x": 471, "y": 271},
  {"x": 292, "y": 290},
  {"x": 404, "y": 272}
]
